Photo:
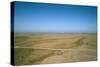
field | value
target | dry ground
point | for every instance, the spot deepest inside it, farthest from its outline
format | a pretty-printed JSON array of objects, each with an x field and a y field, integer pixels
[{"x": 55, "y": 48}]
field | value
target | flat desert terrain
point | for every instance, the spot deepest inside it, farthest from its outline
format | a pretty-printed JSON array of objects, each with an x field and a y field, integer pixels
[{"x": 54, "y": 48}]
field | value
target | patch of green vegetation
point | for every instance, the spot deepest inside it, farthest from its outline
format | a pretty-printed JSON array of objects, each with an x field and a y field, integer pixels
[
  {"x": 21, "y": 54},
  {"x": 40, "y": 58},
  {"x": 27, "y": 56},
  {"x": 18, "y": 39}
]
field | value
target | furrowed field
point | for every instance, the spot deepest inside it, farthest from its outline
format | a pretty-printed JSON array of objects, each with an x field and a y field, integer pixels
[{"x": 54, "y": 48}]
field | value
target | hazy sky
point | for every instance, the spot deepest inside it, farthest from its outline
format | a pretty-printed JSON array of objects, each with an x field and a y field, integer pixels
[{"x": 38, "y": 17}]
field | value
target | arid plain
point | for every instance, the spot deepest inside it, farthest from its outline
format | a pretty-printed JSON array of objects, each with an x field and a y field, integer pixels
[{"x": 50, "y": 48}]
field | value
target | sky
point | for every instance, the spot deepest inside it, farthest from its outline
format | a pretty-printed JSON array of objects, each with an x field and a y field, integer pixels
[{"x": 43, "y": 17}]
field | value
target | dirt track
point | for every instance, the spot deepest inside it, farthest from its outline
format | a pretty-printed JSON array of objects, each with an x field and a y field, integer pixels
[{"x": 53, "y": 59}]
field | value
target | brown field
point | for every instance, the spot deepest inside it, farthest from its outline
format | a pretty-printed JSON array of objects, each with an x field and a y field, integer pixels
[{"x": 54, "y": 48}]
